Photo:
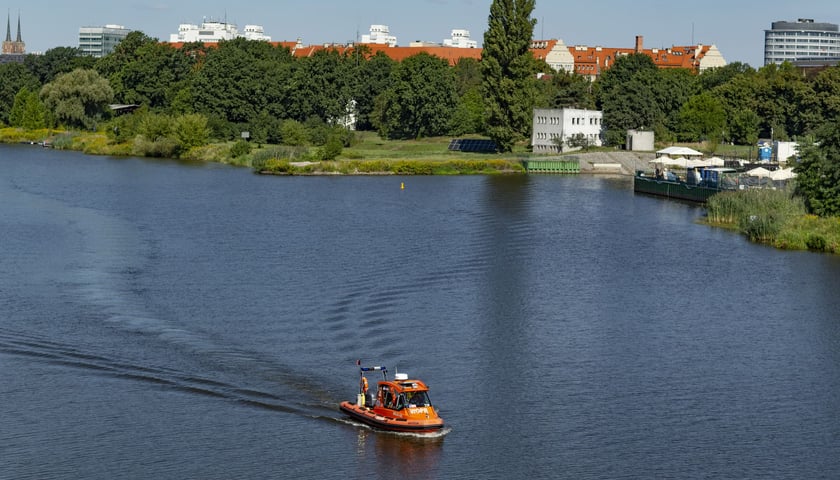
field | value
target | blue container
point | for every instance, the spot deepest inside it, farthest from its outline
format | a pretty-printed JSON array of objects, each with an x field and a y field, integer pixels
[{"x": 765, "y": 153}]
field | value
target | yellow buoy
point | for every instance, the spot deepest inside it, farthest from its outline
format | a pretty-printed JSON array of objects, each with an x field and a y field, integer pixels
[{"x": 402, "y": 185}]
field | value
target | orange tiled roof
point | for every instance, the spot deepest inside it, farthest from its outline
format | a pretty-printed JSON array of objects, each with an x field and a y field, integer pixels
[
  {"x": 594, "y": 60},
  {"x": 541, "y": 48},
  {"x": 590, "y": 61}
]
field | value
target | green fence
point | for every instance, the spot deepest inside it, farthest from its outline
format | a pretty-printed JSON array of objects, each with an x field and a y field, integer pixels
[{"x": 552, "y": 166}]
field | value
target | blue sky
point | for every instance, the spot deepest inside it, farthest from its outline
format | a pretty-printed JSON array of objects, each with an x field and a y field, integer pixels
[{"x": 737, "y": 28}]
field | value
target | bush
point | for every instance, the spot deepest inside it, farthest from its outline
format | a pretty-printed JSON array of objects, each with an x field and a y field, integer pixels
[
  {"x": 275, "y": 165},
  {"x": 163, "y": 147},
  {"x": 192, "y": 130},
  {"x": 816, "y": 242},
  {"x": 331, "y": 149},
  {"x": 760, "y": 228},
  {"x": 240, "y": 148},
  {"x": 64, "y": 141},
  {"x": 294, "y": 133}
]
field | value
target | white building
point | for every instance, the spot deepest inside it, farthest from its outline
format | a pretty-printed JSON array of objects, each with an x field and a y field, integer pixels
[
  {"x": 100, "y": 41},
  {"x": 213, "y": 32},
  {"x": 460, "y": 39},
  {"x": 381, "y": 35},
  {"x": 801, "y": 40},
  {"x": 553, "y": 128}
]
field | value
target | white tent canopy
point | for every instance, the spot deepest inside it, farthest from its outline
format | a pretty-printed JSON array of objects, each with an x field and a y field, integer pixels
[
  {"x": 670, "y": 162},
  {"x": 783, "y": 174},
  {"x": 681, "y": 151},
  {"x": 758, "y": 172}
]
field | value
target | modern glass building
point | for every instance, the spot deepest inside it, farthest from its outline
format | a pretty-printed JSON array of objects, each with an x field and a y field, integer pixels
[
  {"x": 100, "y": 41},
  {"x": 801, "y": 40}
]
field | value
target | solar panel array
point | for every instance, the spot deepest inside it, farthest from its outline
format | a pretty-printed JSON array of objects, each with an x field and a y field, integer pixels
[{"x": 472, "y": 145}]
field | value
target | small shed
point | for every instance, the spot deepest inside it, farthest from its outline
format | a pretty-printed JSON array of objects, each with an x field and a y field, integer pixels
[{"x": 640, "y": 141}]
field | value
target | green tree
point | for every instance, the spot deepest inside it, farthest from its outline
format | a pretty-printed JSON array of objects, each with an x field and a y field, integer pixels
[
  {"x": 628, "y": 97},
  {"x": 372, "y": 79},
  {"x": 239, "y": 80},
  {"x": 826, "y": 86},
  {"x": 420, "y": 100},
  {"x": 13, "y": 78},
  {"x": 321, "y": 86},
  {"x": 18, "y": 107},
  {"x": 144, "y": 71},
  {"x": 702, "y": 117},
  {"x": 739, "y": 98},
  {"x": 28, "y": 111},
  {"x": 79, "y": 98},
  {"x": 714, "y": 77},
  {"x": 818, "y": 173},
  {"x": 467, "y": 75},
  {"x": 565, "y": 90},
  {"x": 784, "y": 101},
  {"x": 509, "y": 71},
  {"x": 57, "y": 61},
  {"x": 743, "y": 127},
  {"x": 468, "y": 116},
  {"x": 674, "y": 87}
]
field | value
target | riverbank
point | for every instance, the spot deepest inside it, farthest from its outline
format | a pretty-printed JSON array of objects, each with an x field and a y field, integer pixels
[
  {"x": 774, "y": 217},
  {"x": 369, "y": 154}
]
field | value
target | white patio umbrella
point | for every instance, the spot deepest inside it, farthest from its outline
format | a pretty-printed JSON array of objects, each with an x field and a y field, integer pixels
[
  {"x": 758, "y": 172},
  {"x": 783, "y": 174},
  {"x": 682, "y": 151}
]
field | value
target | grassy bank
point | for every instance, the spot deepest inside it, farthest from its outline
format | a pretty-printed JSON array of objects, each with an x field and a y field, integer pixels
[
  {"x": 369, "y": 154},
  {"x": 774, "y": 217}
]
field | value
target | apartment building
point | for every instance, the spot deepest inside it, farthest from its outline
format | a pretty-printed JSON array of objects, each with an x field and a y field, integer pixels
[{"x": 803, "y": 39}]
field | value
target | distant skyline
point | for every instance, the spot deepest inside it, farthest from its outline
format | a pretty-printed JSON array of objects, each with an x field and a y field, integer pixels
[{"x": 736, "y": 29}]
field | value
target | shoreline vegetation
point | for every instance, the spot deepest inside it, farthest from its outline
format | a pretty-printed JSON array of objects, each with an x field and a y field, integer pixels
[
  {"x": 772, "y": 217},
  {"x": 369, "y": 155},
  {"x": 777, "y": 218}
]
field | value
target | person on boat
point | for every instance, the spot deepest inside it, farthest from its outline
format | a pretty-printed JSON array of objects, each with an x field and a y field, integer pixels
[{"x": 418, "y": 399}]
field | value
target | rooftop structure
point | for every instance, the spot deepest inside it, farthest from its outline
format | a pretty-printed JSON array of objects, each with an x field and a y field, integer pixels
[
  {"x": 379, "y": 35},
  {"x": 803, "y": 39},
  {"x": 100, "y": 41},
  {"x": 213, "y": 31},
  {"x": 460, "y": 39}
]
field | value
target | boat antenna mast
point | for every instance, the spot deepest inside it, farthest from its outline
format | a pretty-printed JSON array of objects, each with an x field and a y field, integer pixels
[{"x": 363, "y": 370}]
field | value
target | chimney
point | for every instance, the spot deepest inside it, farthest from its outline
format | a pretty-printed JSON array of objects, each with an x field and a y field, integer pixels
[{"x": 639, "y": 42}]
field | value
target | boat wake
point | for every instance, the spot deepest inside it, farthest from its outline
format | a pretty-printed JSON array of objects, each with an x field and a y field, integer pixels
[{"x": 54, "y": 353}]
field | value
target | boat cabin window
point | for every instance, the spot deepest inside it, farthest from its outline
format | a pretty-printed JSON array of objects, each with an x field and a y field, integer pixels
[{"x": 417, "y": 399}]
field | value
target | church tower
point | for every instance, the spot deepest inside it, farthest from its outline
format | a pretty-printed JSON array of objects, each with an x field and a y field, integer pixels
[{"x": 16, "y": 47}]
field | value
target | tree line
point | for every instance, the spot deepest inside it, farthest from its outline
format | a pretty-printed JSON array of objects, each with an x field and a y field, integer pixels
[
  {"x": 243, "y": 85},
  {"x": 198, "y": 93}
]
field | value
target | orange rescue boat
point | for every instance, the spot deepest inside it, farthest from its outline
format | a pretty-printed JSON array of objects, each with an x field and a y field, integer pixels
[{"x": 398, "y": 405}]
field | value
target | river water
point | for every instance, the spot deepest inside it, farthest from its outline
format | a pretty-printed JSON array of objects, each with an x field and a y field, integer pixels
[{"x": 171, "y": 320}]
